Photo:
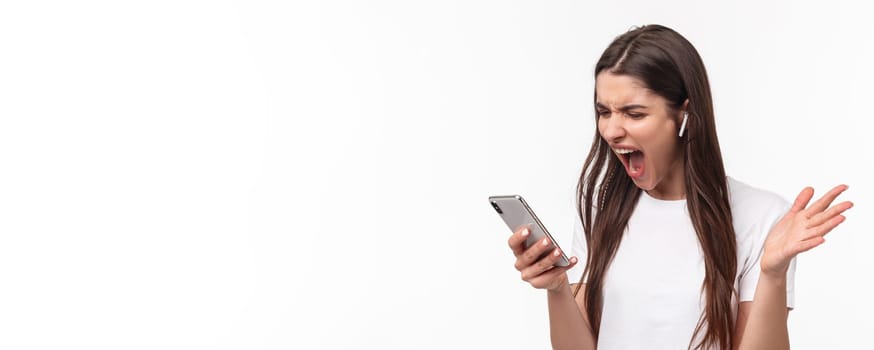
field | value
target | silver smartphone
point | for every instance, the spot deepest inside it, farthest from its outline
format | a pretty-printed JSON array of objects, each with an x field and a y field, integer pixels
[{"x": 515, "y": 212}]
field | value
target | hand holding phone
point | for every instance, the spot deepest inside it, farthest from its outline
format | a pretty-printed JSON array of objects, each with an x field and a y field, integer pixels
[
  {"x": 542, "y": 263},
  {"x": 516, "y": 213}
]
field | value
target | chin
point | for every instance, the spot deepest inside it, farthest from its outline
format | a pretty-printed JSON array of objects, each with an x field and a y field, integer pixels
[{"x": 643, "y": 183}]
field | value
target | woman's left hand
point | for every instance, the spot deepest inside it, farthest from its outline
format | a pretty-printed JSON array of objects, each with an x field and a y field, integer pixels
[{"x": 802, "y": 229}]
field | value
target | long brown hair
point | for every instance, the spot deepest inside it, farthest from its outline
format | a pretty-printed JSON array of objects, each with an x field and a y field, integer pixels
[{"x": 669, "y": 66}]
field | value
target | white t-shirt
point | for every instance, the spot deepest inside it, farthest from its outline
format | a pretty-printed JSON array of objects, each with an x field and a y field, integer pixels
[{"x": 652, "y": 289}]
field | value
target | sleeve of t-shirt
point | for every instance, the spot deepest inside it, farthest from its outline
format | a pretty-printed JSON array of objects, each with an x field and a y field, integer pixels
[
  {"x": 749, "y": 278},
  {"x": 578, "y": 249}
]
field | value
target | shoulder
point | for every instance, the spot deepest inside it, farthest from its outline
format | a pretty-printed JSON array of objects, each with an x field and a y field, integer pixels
[
  {"x": 753, "y": 207},
  {"x": 744, "y": 197}
]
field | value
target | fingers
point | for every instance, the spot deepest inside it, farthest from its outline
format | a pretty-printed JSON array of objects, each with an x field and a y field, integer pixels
[
  {"x": 822, "y": 217},
  {"x": 825, "y": 228},
  {"x": 537, "y": 262},
  {"x": 805, "y": 245},
  {"x": 545, "y": 263},
  {"x": 517, "y": 240},
  {"x": 532, "y": 254},
  {"x": 826, "y": 200},
  {"x": 802, "y": 200},
  {"x": 548, "y": 278}
]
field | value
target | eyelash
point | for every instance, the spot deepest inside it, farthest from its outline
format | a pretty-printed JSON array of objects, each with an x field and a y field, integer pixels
[{"x": 603, "y": 114}]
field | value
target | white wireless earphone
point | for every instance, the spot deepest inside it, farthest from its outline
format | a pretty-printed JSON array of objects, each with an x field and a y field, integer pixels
[{"x": 683, "y": 126}]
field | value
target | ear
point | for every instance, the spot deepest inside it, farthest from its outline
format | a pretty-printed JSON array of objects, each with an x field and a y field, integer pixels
[
  {"x": 684, "y": 108},
  {"x": 684, "y": 112}
]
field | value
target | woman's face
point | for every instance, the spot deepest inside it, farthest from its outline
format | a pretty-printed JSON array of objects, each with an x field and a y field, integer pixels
[{"x": 641, "y": 129}]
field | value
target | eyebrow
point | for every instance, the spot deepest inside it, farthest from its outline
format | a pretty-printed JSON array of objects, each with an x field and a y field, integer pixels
[{"x": 624, "y": 108}]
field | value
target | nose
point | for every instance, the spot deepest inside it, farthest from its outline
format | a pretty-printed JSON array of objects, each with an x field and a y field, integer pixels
[{"x": 612, "y": 128}]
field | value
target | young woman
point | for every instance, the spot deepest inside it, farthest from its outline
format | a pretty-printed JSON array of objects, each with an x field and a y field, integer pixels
[{"x": 676, "y": 254}]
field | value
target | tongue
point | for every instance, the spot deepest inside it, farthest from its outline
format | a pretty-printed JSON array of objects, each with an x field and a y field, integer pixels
[{"x": 635, "y": 164}]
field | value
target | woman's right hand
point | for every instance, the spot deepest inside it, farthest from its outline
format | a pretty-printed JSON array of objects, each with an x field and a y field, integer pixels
[{"x": 542, "y": 273}]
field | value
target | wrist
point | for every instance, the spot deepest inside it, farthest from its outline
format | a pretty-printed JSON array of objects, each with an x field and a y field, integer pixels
[
  {"x": 774, "y": 271},
  {"x": 562, "y": 287},
  {"x": 773, "y": 277}
]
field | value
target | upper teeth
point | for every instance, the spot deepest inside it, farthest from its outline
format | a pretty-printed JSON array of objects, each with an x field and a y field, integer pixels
[{"x": 623, "y": 151}]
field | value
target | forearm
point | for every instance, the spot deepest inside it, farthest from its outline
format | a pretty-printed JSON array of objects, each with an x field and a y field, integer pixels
[
  {"x": 766, "y": 327},
  {"x": 568, "y": 329}
]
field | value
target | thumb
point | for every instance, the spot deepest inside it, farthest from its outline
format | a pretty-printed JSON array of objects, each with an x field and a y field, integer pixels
[{"x": 801, "y": 200}]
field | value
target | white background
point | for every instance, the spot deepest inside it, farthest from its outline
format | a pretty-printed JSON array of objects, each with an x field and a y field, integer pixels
[{"x": 275, "y": 175}]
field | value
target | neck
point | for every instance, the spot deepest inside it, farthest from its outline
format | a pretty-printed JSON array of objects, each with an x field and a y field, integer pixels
[{"x": 673, "y": 185}]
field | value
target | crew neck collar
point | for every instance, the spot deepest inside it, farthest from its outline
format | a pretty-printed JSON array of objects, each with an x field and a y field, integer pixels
[{"x": 649, "y": 197}]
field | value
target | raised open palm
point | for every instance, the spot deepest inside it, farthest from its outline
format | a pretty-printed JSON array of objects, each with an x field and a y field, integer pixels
[{"x": 802, "y": 229}]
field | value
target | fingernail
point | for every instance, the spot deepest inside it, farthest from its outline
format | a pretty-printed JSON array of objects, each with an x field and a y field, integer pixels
[
  {"x": 574, "y": 260},
  {"x": 556, "y": 252},
  {"x": 545, "y": 242},
  {"x": 525, "y": 232}
]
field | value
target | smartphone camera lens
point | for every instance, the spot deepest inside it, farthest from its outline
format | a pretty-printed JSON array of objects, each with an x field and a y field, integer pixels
[{"x": 497, "y": 208}]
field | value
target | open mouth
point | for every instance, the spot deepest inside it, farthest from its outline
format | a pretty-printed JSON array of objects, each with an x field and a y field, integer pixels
[{"x": 632, "y": 159}]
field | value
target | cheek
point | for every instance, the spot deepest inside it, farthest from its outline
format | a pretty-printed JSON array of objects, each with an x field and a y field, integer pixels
[
  {"x": 666, "y": 149},
  {"x": 660, "y": 145}
]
